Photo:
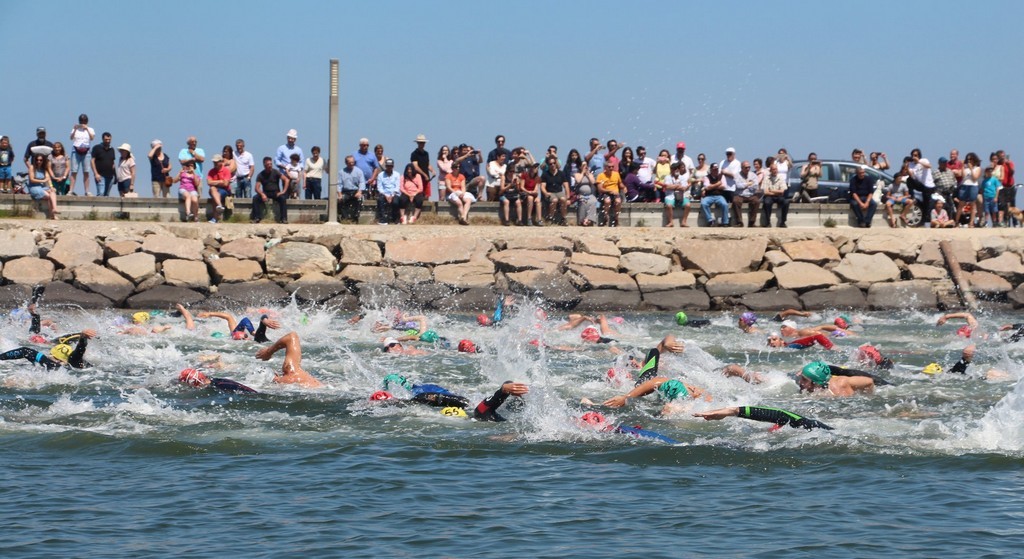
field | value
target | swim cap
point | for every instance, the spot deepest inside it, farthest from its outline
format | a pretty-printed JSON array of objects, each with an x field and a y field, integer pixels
[
  {"x": 817, "y": 372},
  {"x": 466, "y": 346},
  {"x": 673, "y": 389},
  {"x": 483, "y": 320},
  {"x": 141, "y": 317},
  {"x": 681, "y": 318},
  {"x": 964, "y": 331},
  {"x": 192, "y": 377},
  {"x": 590, "y": 334},
  {"x": 61, "y": 352},
  {"x": 429, "y": 336},
  {"x": 748, "y": 318},
  {"x": 381, "y": 395},
  {"x": 618, "y": 377},
  {"x": 238, "y": 335},
  {"x": 37, "y": 339},
  {"x": 411, "y": 332},
  {"x": 789, "y": 324},
  {"x": 397, "y": 379},
  {"x": 618, "y": 319},
  {"x": 217, "y": 335},
  {"x": 593, "y": 418},
  {"x": 869, "y": 352},
  {"x": 841, "y": 322},
  {"x": 157, "y": 312},
  {"x": 452, "y": 411},
  {"x": 932, "y": 369}
]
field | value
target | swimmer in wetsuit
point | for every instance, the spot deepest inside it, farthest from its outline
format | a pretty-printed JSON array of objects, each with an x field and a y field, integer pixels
[
  {"x": 649, "y": 381},
  {"x": 1018, "y": 333},
  {"x": 777, "y": 416},
  {"x": 440, "y": 397},
  {"x": 192, "y": 377},
  {"x": 783, "y": 315},
  {"x": 291, "y": 370},
  {"x": 683, "y": 320},
  {"x": 241, "y": 330},
  {"x": 775, "y": 340},
  {"x": 869, "y": 355},
  {"x": 60, "y": 355}
]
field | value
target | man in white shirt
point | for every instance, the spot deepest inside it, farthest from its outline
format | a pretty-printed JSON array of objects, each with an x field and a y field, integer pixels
[
  {"x": 921, "y": 169},
  {"x": 681, "y": 157},
  {"x": 82, "y": 136},
  {"x": 747, "y": 190},
  {"x": 730, "y": 167},
  {"x": 245, "y": 167},
  {"x": 646, "y": 171}
]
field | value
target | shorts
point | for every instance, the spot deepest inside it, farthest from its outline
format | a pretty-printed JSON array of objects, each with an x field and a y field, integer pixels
[
  {"x": 967, "y": 193},
  {"x": 990, "y": 206},
  {"x": 672, "y": 201},
  {"x": 557, "y": 195},
  {"x": 510, "y": 197},
  {"x": 83, "y": 160},
  {"x": 5, "y": 173},
  {"x": 454, "y": 196},
  {"x": 224, "y": 193},
  {"x": 157, "y": 186},
  {"x": 188, "y": 194},
  {"x": 124, "y": 186},
  {"x": 37, "y": 192}
]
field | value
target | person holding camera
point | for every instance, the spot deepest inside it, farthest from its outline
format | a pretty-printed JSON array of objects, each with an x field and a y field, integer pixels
[
  {"x": 879, "y": 161},
  {"x": 81, "y": 143},
  {"x": 809, "y": 176},
  {"x": 468, "y": 161}
]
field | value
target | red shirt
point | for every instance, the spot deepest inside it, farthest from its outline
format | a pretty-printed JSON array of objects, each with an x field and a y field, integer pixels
[
  {"x": 1008, "y": 173},
  {"x": 529, "y": 183},
  {"x": 222, "y": 174}
]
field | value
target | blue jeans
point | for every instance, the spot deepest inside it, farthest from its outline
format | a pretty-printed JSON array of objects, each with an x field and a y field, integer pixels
[
  {"x": 387, "y": 212},
  {"x": 242, "y": 187},
  {"x": 714, "y": 200},
  {"x": 107, "y": 183},
  {"x": 313, "y": 189},
  {"x": 864, "y": 218}
]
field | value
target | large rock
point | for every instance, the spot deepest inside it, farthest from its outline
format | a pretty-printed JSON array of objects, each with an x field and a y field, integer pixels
[
  {"x": 294, "y": 260},
  {"x": 354, "y": 251},
  {"x": 838, "y": 297},
  {"x": 634, "y": 244},
  {"x": 727, "y": 285},
  {"x": 345, "y": 302},
  {"x": 926, "y": 272},
  {"x": 891, "y": 245},
  {"x": 443, "y": 250},
  {"x": 645, "y": 263},
  {"x": 867, "y": 268},
  {"x": 136, "y": 266},
  {"x": 233, "y": 270},
  {"x": 991, "y": 247},
  {"x": 802, "y": 276},
  {"x": 599, "y": 278},
  {"x": 552, "y": 287},
  {"x": 988, "y": 285},
  {"x": 316, "y": 287},
  {"x": 375, "y": 295},
  {"x": 163, "y": 297},
  {"x": 60, "y": 294},
  {"x": 931, "y": 254},
  {"x": 1007, "y": 265},
  {"x": 776, "y": 258},
  {"x": 413, "y": 274},
  {"x": 368, "y": 274},
  {"x": 609, "y": 300},
  {"x": 16, "y": 243},
  {"x": 432, "y": 295},
  {"x": 913, "y": 294},
  {"x": 171, "y": 246},
  {"x": 539, "y": 243},
  {"x": 667, "y": 282},
  {"x": 248, "y": 248},
  {"x": 257, "y": 293},
  {"x": 813, "y": 251},
  {"x": 107, "y": 283},
  {"x": 113, "y": 249},
  {"x": 678, "y": 300},
  {"x": 724, "y": 256},
  {"x": 28, "y": 270},
  {"x": 479, "y": 273},
  {"x": 600, "y": 247},
  {"x": 14, "y": 295},
  {"x": 73, "y": 250},
  {"x": 775, "y": 300},
  {"x": 478, "y": 299},
  {"x": 518, "y": 260},
  {"x": 595, "y": 260},
  {"x": 1017, "y": 296},
  {"x": 186, "y": 273}
]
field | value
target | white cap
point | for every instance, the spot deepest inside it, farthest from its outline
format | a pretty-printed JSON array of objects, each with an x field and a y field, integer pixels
[
  {"x": 155, "y": 143},
  {"x": 730, "y": 150},
  {"x": 789, "y": 324},
  {"x": 389, "y": 341},
  {"x": 293, "y": 134}
]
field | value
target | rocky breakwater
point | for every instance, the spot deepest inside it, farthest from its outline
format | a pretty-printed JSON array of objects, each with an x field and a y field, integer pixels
[{"x": 99, "y": 265}]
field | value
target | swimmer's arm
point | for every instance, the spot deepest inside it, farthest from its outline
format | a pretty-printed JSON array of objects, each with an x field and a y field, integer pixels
[
  {"x": 161, "y": 329},
  {"x": 189, "y": 323},
  {"x": 793, "y": 312},
  {"x": 715, "y": 415},
  {"x": 355, "y": 319},
  {"x": 971, "y": 321},
  {"x": 697, "y": 392},
  {"x": 230, "y": 318},
  {"x": 669, "y": 344},
  {"x": 862, "y": 384},
  {"x": 641, "y": 390}
]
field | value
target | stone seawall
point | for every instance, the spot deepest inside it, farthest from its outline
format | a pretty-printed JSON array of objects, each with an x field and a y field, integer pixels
[{"x": 153, "y": 265}]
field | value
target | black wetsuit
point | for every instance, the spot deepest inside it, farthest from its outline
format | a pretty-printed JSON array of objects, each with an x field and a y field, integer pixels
[
  {"x": 697, "y": 322},
  {"x": 1018, "y": 335},
  {"x": 229, "y": 385},
  {"x": 487, "y": 410},
  {"x": 649, "y": 369},
  {"x": 434, "y": 395},
  {"x": 74, "y": 360},
  {"x": 960, "y": 366},
  {"x": 780, "y": 417},
  {"x": 838, "y": 371},
  {"x": 259, "y": 335}
]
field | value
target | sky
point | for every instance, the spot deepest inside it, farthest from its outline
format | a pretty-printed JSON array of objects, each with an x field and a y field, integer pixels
[{"x": 809, "y": 76}]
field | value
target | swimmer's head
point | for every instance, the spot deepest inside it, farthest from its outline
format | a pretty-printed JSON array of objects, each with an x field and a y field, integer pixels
[
  {"x": 429, "y": 336},
  {"x": 842, "y": 322},
  {"x": 748, "y": 319},
  {"x": 484, "y": 320},
  {"x": 818, "y": 372},
  {"x": 932, "y": 369},
  {"x": 192, "y": 377},
  {"x": 36, "y": 339},
  {"x": 466, "y": 346},
  {"x": 681, "y": 318},
  {"x": 140, "y": 317},
  {"x": 453, "y": 411},
  {"x": 593, "y": 419},
  {"x": 217, "y": 335},
  {"x": 619, "y": 377},
  {"x": 869, "y": 354},
  {"x": 397, "y": 379},
  {"x": 775, "y": 340},
  {"x": 238, "y": 335},
  {"x": 61, "y": 352},
  {"x": 390, "y": 344},
  {"x": 788, "y": 325},
  {"x": 590, "y": 334},
  {"x": 617, "y": 319},
  {"x": 381, "y": 395},
  {"x": 964, "y": 331},
  {"x": 673, "y": 389}
]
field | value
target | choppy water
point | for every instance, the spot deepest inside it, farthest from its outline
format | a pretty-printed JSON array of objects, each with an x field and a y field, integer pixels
[{"x": 118, "y": 460}]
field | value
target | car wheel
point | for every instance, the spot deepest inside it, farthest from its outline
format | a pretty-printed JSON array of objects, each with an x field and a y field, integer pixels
[{"x": 914, "y": 216}]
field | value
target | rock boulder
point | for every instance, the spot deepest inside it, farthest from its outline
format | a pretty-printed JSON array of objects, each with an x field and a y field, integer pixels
[
  {"x": 28, "y": 270},
  {"x": 867, "y": 268},
  {"x": 802, "y": 276},
  {"x": 293, "y": 260},
  {"x": 725, "y": 256}
]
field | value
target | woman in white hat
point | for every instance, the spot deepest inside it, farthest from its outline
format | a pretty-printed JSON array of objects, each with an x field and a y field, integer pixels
[{"x": 125, "y": 170}]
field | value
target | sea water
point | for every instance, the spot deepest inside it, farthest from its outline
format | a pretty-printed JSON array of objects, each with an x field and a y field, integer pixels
[{"x": 118, "y": 460}]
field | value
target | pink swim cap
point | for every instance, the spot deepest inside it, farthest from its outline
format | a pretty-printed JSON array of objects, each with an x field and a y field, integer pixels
[{"x": 590, "y": 334}]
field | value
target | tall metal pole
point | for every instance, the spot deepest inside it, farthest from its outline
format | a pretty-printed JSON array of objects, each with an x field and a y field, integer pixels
[{"x": 332, "y": 149}]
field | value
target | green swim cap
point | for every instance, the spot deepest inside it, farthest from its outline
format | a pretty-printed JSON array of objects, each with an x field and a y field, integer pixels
[
  {"x": 217, "y": 335},
  {"x": 429, "y": 336},
  {"x": 411, "y": 332},
  {"x": 846, "y": 318},
  {"x": 817, "y": 372},
  {"x": 397, "y": 379},
  {"x": 673, "y": 389},
  {"x": 681, "y": 318}
]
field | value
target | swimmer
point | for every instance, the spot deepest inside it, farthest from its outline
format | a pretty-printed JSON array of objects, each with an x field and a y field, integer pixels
[
  {"x": 391, "y": 345},
  {"x": 777, "y": 416},
  {"x": 192, "y": 377},
  {"x": 140, "y": 318},
  {"x": 963, "y": 331},
  {"x": 819, "y": 375},
  {"x": 783, "y": 315},
  {"x": 1018, "y": 333},
  {"x": 574, "y": 320},
  {"x": 596, "y": 420},
  {"x": 401, "y": 321},
  {"x": 746, "y": 323},
  {"x": 291, "y": 369},
  {"x": 966, "y": 356},
  {"x": 737, "y": 371},
  {"x": 868, "y": 354},
  {"x": 440, "y": 397},
  {"x": 241, "y": 330},
  {"x": 499, "y": 313},
  {"x": 60, "y": 355},
  {"x": 649, "y": 381},
  {"x": 467, "y": 346},
  {"x": 790, "y": 330},
  {"x": 683, "y": 320},
  {"x": 777, "y": 341}
]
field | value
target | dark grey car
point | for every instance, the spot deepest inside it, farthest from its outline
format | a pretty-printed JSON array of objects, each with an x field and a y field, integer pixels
[{"x": 834, "y": 184}]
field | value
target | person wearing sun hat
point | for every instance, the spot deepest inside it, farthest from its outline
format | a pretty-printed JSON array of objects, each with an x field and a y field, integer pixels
[
  {"x": 420, "y": 160},
  {"x": 125, "y": 172},
  {"x": 284, "y": 152}
]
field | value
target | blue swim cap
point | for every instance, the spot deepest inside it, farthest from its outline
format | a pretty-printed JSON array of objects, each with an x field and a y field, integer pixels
[
  {"x": 748, "y": 318},
  {"x": 673, "y": 389},
  {"x": 817, "y": 372},
  {"x": 397, "y": 379},
  {"x": 681, "y": 318}
]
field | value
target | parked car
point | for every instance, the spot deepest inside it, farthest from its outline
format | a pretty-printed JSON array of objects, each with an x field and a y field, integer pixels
[{"x": 834, "y": 184}]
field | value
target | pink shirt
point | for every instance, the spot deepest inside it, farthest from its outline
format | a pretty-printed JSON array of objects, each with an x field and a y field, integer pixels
[{"x": 412, "y": 187}]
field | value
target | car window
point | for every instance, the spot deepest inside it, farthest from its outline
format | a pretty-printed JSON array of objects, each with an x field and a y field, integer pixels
[
  {"x": 877, "y": 176},
  {"x": 827, "y": 172},
  {"x": 846, "y": 172}
]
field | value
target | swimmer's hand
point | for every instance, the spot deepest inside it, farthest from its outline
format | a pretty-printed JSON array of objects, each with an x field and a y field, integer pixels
[
  {"x": 270, "y": 323},
  {"x": 159, "y": 329},
  {"x": 515, "y": 388},
  {"x": 615, "y": 401},
  {"x": 675, "y": 347},
  {"x": 715, "y": 415},
  {"x": 941, "y": 321},
  {"x": 203, "y": 314},
  {"x": 587, "y": 402},
  {"x": 88, "y": 333},
  {"x": 264, "y": 354}
]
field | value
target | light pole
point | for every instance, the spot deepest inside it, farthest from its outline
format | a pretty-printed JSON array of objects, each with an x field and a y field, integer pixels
[{"x": 332, "y": 149}]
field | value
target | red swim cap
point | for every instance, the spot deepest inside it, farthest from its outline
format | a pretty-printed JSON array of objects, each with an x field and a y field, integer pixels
[
  {"x": 192, "y": 377},
  {"x": 381, "y": 395},
  {"x": 594, "y": 419},
  {"x": 868, "y": 351},
  {"x": 590, "y": 334},
  {"x": 841, "y": 322},
  {"x": 964, "y": 331},
  {"x": 238, "y": 335},
  {"x": 483, "y": 320},
  {"x": 618, "y": 377},
  {"x": 37, "y": 339},
  {"x": 466, "y": 346}
]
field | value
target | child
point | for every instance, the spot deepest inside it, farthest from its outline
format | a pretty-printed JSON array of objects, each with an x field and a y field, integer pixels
[
  {"x": 294, "y": 172},
  {"x": 939, "y": 216},
  {"x": 6, "y": 159},
  {"x": 187, "y": 190},
  {"x": 989, "y": 190}
]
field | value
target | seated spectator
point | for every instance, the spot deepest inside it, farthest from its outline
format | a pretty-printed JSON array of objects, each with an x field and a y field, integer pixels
[
  {"x": 774, "y": 189},
  {"x": 508, "y": 196},
  {"x": 455, "y": 184},
  {"x": 676, "y": 187},
  {"x": 939, "y": 216},
  {"x": 609, "y": 193},
  {"x": 529, "y": 195},
  {"x": 412, "y": 195},
  {"x": 555, "y": 187},
  {"x": 898, "y": 193},
  {"x": 389, "y": 193},
  {"x": 862, "y": 190},
  {"x": 714, "y": 188},
  {"x": 748, "y": 191}
]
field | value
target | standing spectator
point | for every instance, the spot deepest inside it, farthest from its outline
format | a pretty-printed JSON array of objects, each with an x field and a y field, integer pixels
[
  {"x": 968, "y": 192},
  {"x": 552, "y": 150},
  {"x": 268, "y": 188},
  {"x": 529, "y": 195},
  {"x": 125, "y": 170},
  {"x": 192, "y": 152},
  {"x": 469, "y": 160},
  {"x": 188, "y": 190},
  {"x": 60, "y": 165},
  {"x": 858, "y": 156},
  {"x": 245, "y": 168},
  {"x": 713, "y": 195},
  {"x": 420, "y": 160},
  {"x": 809, "y": 176},
  {"x": 159, "y": 169},
  {"x": 219, "y": 180},
  {"x": 862, "y": 190},
  {"x": 730, "y": 168},
  {"x": 294, "y": 173},
  {"x": 594, "y": 159},
  {"x": 555, "y": 187},
  {"x": 412, "y": 194},
  {"x": 609, "y": 191},
  {"x": 351, "y": 188},
  {"x": 945, "y": 180},
  {"x": 495, "y": 174},
  {"x": 954, "y": 164},
  {"x": 378, "y": 152},
  {"x": 922, "y": 181},
  {"x": 39, "y": 180},
  {"x": 499, "y": 148},
  {"x": 103, "y": 156},
  {"x": 314, "y": 171},
  {"x": 748, "y": 190},
  {"x": 40, "y": 141},
  {"x": 626, "y": 162},
  {"x": 6, "y": 159},
  {"x": 367, "y": 163},
  {"x": 1007, "y": 194},
  {"x": 775, "y": 189},
  {"x": 444, "y": 166},
  {"x": 81, "y": 143},
  {"x": 613, "y": 146},
  {"x": 681, "y": 157},
  {"x": 389, "y": 193},
  {"x": 879, "y": 161},
  {"x": 784, "y": 162},
  {"x": 285, "y": 151},
  {"x": 990, "y": 192},
  {"x": 455, "y": 185}
]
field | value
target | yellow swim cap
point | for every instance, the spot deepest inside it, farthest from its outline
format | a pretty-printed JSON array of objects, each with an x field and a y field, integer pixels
[
  {"x": 453, "y": 411},
  {"x": 932, "y": 369},
  {"x": 140, "y": 317},
  {"x": 61, "y": 352}
]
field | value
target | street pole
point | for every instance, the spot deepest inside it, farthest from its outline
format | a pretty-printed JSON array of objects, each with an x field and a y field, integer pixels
[{"x": 332, "y": 149}]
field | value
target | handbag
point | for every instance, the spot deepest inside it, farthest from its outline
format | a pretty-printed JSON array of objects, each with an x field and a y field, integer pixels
[
  {"x": 82, "y": 149},
  {"x": 168, "y": 180}
]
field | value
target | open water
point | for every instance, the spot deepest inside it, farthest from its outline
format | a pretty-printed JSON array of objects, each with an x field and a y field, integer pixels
[{"x": 118, "y": 460}]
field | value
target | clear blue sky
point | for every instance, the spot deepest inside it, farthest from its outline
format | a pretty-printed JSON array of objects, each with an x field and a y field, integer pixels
[{"x": 810, "y": 76}]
